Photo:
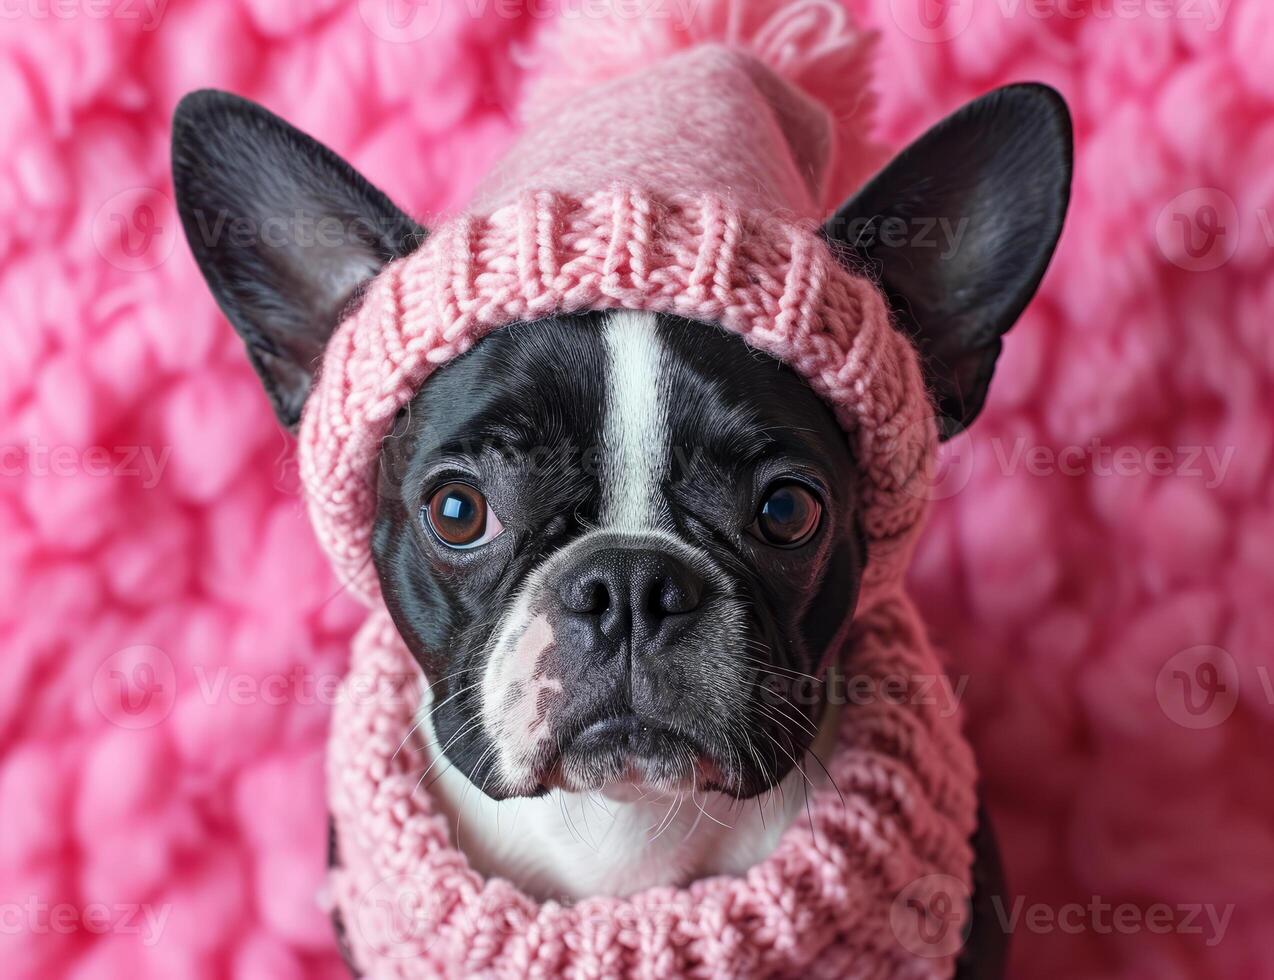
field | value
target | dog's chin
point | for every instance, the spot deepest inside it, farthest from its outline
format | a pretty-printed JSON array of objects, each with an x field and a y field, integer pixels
[
  {"x": 623, "y": 774},
  {"x": 626, "y": 759}
]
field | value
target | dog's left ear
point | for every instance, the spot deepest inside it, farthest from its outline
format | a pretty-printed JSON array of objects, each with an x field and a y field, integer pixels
[
  {"x": 284, "y": 230},
  {"x": 959, "y": 229}
]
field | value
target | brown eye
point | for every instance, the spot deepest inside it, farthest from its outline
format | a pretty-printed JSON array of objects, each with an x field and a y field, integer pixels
[
  {"x": 459, "y": 517},
  {"x": 788, "y": 517}
]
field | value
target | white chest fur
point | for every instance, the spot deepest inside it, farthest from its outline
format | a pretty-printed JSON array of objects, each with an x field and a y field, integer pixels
[{"x": 569, "y": 846}]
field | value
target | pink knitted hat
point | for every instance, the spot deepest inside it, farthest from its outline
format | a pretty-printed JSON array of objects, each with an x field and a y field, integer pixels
[
  {"x": 677, "y": 168},
  {"x": 692, "y": 184}
]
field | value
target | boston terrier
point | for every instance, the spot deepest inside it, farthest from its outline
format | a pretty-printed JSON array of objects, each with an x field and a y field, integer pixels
[{"x": 672, "y": 512}]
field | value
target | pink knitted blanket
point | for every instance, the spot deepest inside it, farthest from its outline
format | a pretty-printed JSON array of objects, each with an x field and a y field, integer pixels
[{"x": 175, "y": 529}]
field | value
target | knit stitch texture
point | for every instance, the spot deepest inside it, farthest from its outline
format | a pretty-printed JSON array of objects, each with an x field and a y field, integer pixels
[{"x": 829, "y": 902}]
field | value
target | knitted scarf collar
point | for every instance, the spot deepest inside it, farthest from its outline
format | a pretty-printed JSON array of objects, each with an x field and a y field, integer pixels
[{"x": 825, "y": 903}]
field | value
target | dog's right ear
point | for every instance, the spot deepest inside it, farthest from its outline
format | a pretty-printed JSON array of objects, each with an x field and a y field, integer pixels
[
  {"x": 997, "y": 173},
  {"x": 285, "y": 231}
]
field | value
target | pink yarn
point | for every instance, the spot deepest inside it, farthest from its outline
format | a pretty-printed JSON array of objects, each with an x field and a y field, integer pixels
[{"x": 1058, "y": 594}]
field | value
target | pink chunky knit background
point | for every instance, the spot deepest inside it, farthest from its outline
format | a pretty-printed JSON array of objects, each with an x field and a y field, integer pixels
[{"x": 170, "y": 635}]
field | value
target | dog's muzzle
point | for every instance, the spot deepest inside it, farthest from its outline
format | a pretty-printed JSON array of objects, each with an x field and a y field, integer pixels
[{"x": 609, "y": 666}]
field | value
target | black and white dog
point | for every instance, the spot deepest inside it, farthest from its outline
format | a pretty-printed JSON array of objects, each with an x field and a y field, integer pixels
[{"x": 669, "y": 513}]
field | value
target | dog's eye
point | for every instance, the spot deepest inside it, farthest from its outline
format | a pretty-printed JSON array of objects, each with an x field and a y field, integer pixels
[
  {"x": 459, "y": 517},
  {"x": 788, "y": 517}
]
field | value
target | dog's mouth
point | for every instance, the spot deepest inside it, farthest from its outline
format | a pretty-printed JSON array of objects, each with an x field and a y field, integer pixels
[{"x": 621, "y": 754}]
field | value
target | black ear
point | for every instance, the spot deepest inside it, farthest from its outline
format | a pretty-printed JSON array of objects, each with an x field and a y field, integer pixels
[
  {"x": 284, "y": 230},
  {"x": 959, "y": 229}
]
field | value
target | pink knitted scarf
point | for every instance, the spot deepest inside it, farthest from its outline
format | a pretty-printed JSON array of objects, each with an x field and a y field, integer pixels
[
  {"x": 691, "y": 186},
  {"x": 828, "y": 902}
]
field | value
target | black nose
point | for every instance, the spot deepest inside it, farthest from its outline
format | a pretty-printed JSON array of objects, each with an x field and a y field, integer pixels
[{"x": 626, "y": 591}]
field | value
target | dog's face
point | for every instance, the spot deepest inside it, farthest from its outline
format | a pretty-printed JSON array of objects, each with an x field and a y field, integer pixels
[
  {"x": 617, "y": 543},
  {"x": 621, "y": 546}
]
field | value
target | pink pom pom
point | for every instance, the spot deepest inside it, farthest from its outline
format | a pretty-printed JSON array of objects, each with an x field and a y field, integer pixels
[{"x": 814, "y": 45}]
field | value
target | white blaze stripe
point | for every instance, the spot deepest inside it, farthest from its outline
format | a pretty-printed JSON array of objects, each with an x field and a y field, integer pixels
[{"x": 636, "y": 431}]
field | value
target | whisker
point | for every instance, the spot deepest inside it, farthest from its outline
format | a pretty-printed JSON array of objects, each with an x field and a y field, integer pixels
[
  {"x": 464, "y": 794},
  {"x": 561, "y": 799},
  {"x": 775, "y": 668},
  {"x": 421, "y": 720},
  {"x": 671, "y": 817},
  {"x": 830, "y": 779},
  {"x": 703, "y": 811},
  {"x": 771, "y": 715},
  {"x": 464, "y": 730}
]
